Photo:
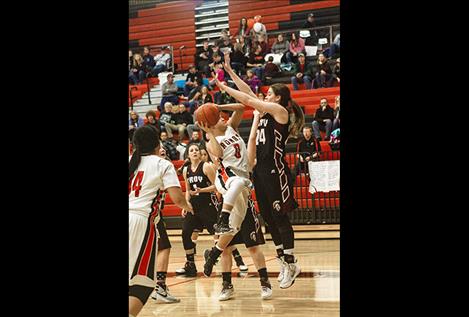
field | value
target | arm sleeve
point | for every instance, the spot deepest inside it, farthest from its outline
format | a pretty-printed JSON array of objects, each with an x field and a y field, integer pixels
[{"x": 169, "y": 176}]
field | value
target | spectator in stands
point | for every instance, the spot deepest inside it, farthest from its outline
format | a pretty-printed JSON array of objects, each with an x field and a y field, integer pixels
[
  {"x": 136, "y": 71},
  {"x": 335, "y": 47},
  {"x": 309, "y": 25},
  {"x": 324, "y": 72},
  {"x": 186, "y": 117},
  {"x": 244, "y": 44},
  {"x": 216, "y": 52},
  {"x": 134, "y": 122},
  {"x": 175, "y": 124},
  {"x": 222, "y": 98},
  {"x": 261, "y": 95},
  {"x": 161, "y": 61},
  {"x": 243, "y": 29},
  {"x": 261, "y": 40},
  {"x": 256, "y": 61},
  {"x": 169, "y": 90},
  {"x": 165, "y": 116},
  {"x": 254, "y": 35},
  {"x": 336, "y": 122},
  {"x": 280, "y": 47},
  {"x": 203, "y": 58},
  {"x": 270, "y": 70},
  {"x": 130, "y": 59},
  {"x": 219, "y": 73},
  {"x": 217, "y": 59},
  {"x": 297, "y": 46},
  {"x": 303, "y": 73},
  {"x": 196, "y": 139},
  {"x": 193, "y": 80},
  {"x": 238, "y": 59},
  {"x": 169, "y": 146},
  {"x": 335, "y": 72},
  {"x": 323, "y": 120},
  {"x": 199, "y": 99},
  {"x": 253, "y": 81},
  {"x": 148, "y": 61},
  {"x": 151, "y": 119},
  {"x": 306, "y": 150}
]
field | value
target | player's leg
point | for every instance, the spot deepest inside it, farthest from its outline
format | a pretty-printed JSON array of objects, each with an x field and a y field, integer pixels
[
  {"x": 259, "y": 261},
  {"x": 239, "y": 260},
  {"x": 235, "y": 220},
  {"x": 227, "y": 287},
  {"x": 235, "y": 185},
  {"x": 189, "y": 223},
  {"x": 164, "y": 249}
]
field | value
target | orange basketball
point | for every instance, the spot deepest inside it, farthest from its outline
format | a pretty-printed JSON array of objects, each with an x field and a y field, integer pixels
[
  {"x": 251, "y": 23},
  {"x": 208, "y": 113}
]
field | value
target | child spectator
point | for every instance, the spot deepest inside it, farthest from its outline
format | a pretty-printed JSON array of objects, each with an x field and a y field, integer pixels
[
  {"x": 253, "y": 81},
  {"x": 270, "y": 69}
]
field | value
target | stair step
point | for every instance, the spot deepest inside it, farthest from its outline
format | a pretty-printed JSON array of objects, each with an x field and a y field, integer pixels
[
  {"x": 216, "y": 12},
  {"x": 213, "y": 28},
  {"x": 212, "y": 5},
  {"x": 209, "y": 21}
]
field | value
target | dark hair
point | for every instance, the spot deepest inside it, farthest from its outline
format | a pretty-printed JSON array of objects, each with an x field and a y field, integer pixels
[
  {"x": 308, "y": 127},
  {"x": 271, "y": 58},
  {"x": 145, "y": 140},
  {"x": 297, "y": 117},
  {"x": 150, "y": 113},
  {"x": 241, "y": 24}
]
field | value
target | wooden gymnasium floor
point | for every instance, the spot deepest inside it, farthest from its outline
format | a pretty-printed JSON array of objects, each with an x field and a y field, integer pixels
[{"x": 315, "y": 292}]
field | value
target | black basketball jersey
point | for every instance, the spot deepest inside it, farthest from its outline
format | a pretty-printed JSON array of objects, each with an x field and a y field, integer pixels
[
  {"x": 198, "y": 179},
  {"x": 270, "y": 144}
]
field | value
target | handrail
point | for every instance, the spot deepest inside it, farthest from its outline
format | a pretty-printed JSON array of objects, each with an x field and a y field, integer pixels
[{"x": 131, "y": 97}]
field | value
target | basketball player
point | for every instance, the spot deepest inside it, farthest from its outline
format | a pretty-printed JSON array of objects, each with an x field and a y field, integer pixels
[
  {"x": 238, "y": 221},
  {"x": 280, "y": 118},
  {"x": 201, "y": 194},
  {"x": 148, "y": 173}
]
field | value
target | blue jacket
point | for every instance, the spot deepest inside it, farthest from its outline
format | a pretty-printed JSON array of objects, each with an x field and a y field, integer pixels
[{"x": 137, "y": 124}]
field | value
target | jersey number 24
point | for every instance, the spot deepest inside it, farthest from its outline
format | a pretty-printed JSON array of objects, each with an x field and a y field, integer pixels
[{"x": 260, "y": 136}]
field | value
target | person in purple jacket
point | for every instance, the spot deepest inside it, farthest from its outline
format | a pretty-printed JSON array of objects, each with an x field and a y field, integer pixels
[{"x": 253, "y": 81}]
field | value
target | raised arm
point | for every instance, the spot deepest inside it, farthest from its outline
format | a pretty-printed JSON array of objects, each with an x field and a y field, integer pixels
[
  {"x": 237, "y": 115},
  {"x": 279, "y": 113},
  {"x": 251, "y": 147},
  {"x": 209, "y": 170},
  {"x": 213, "y": 147},
  {"x": 242, "y": 86}
]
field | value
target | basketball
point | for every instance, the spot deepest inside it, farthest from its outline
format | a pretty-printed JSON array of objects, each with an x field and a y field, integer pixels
[
  {"x": 257, "y": 26},
  {"x": 208, "y": 113},
  {"x": 251, "y": 23}
]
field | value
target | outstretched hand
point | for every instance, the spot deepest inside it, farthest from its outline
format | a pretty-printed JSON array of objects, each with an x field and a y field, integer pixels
[{"x": 227, "y": 60}]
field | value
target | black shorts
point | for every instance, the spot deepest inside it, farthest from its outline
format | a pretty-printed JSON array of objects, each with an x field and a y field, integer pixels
[
  {"x": 205, "y": 216},
  {"x": 163, "y": 239},
  {"x": 271, "y": 196},
  {"x": 250, "y": 233}
]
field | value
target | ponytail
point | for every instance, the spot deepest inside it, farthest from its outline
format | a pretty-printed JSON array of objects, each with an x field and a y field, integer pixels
[
  {"x": 297, "y": 118},
  {"x": 146, "y": 139}
]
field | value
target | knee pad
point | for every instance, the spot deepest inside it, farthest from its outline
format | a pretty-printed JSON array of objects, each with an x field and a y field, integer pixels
[{"x": 141, "y": 292}]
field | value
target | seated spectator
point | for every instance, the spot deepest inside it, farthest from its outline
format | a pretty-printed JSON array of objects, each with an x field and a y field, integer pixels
[
  {"x": 335, "y": 73},
  {"x": 261, "y": 95},
  {"x": 216, "y": 52},
  {"x": 306, "y": 150},
  {"x": 225, "y": 43},
  {"x": 161, "y": 61},
  {"x": 270, "y": 69},
  {"x": 169, "y": 146},
  {"x": 134, "y": 122},
  {"x": 217, "y": 59},
  {"x": 218, "y": 73},
  {"x": 253, "y": 81},
  {"x": 280, "y": 47},
  {"x": 175, "y": 124},
  {"x": 336, "y": 122},
  {"x": 196, "y": 138},
  {"x": 323, "y": 120},
  {"x": 203, "y": 57},
  {"x": 165, "y": 116},
  {"x": 151, "y": 119},
  {"x": 148, "y": 61},
  {"x": 136, "y": 73},
  {"x": 169, "y": 90},
  {"x": 254, "y": 35},
  {"x": 303, "y": 73},
  {"x": 297, "y": 46},
  {"x": 222, "y": 98},
  {"x": 238, "y": 59},
  {"x": 193, "y": 80},
  {"x": 324, "y": 72},
  {"x": 256, "y": 62},
  {"x": 199, "y": 99},
  {"x": 261, "y": 40},
  {"x": 244, "y": 44}
]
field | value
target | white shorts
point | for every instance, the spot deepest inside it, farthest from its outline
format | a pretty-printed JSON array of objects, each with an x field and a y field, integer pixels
[
  {"x": 240, "y": 205},
  {"x": 143, "y": 248}
]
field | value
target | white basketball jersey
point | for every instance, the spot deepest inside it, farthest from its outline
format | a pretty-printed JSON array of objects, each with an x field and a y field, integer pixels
[
  {"x": 234, "y": 152},
  {"x": 153, "y": 175}
]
